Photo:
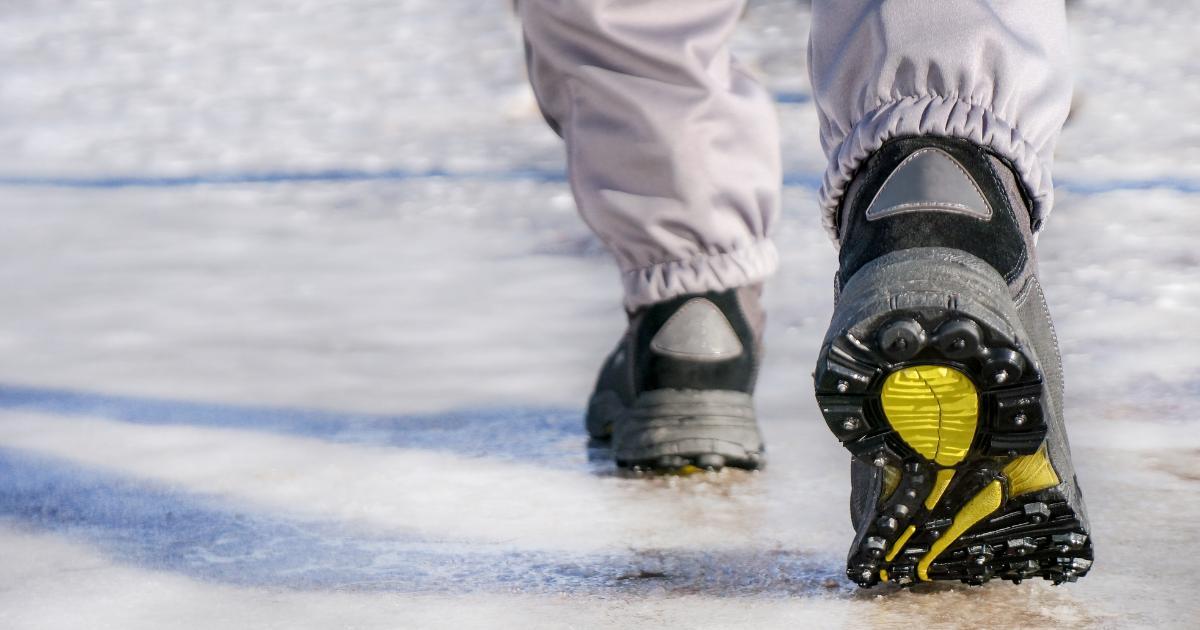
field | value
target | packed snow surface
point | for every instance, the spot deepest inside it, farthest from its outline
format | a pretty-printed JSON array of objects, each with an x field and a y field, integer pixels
[{"x": 298, "y": 321}]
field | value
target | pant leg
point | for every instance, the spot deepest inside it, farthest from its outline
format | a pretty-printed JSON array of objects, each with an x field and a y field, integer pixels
[
  {"x": 990, "y": 71},
  {"x": 672, "y": 148}
]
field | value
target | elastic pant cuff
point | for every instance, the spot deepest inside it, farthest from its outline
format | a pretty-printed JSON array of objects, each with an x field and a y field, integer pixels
[
  {"x": 708, "y": 272},
  {"x": 935, "y": 116}
]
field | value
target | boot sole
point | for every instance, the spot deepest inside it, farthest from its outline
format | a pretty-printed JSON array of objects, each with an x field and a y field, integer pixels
[
  {"x": 674, "y": 430},
  {"x": 925, "y": 373}
]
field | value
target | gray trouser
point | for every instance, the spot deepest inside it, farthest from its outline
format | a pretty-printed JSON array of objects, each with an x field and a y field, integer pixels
[{"x": 673, "y": 149}]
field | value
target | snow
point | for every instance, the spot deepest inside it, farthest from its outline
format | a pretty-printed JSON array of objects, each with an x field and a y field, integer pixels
[{"x": 340, "y": 384}]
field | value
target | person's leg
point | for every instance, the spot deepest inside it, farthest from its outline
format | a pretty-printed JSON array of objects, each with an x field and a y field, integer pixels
[
  {"x": 940, "y": 371},
  {"x": 672, "y": 148},
  {"x": 994, "y": 73},
  {"x": 673, "y": 158}
]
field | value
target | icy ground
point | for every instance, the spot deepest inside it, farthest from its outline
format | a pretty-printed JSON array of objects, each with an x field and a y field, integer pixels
[{"x": 296, "y": 322}]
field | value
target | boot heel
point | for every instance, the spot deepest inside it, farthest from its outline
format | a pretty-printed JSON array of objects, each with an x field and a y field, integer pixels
[{"x": 928, "y": 374}]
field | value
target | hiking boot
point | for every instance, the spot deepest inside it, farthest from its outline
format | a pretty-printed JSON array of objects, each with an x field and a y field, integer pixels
[
  {"x": 677, "y": 390},
  {"x": 941, "y": 374}
]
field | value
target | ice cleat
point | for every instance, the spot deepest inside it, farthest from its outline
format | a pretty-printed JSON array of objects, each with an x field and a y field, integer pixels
[
  {"x": 941, "y": 374},
  {"x": 677, "y": 391}
]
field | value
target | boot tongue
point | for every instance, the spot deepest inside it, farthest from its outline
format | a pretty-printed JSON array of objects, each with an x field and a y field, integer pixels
[{"x": 929, "y": 179}]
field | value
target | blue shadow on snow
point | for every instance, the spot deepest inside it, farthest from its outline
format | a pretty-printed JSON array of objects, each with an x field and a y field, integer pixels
[
  {"x": 548, "y": 437},
  {"x": 137, "y": 523},
  {"x": 539, "y": 175}
]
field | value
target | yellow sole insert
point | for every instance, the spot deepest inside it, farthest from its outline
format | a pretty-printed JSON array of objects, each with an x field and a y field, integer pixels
[
  {"x": 1030, "y": 473},
  {"x": 978, "y": 508},
  {"x": 934, "y": 409},
  {"x": 900, "y": 543},
  {"x": 939, "y": 487}
]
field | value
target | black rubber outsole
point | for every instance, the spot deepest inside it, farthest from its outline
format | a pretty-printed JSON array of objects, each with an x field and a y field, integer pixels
[
  {"x": 677, "y": 430},
  {"x": 675, "y": 464},
  {"x": 1035, "y": 534}
]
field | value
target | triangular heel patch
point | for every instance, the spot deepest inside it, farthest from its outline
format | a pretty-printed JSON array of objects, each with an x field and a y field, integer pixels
[
  {"x": 929, "y": 180},
  {"x": 698, "y": 331}
]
